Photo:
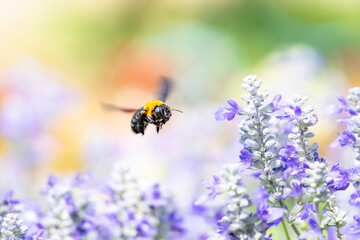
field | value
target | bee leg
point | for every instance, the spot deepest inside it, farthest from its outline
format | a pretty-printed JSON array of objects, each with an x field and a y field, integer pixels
[
  {"x": 149, "y": 119},
  {"x": 158, "y": 128}
]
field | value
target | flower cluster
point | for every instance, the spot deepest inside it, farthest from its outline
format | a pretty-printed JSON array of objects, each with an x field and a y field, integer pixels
[
  {"x": 12, "y": 228},
  {"x": 351, "y": 135},
  {"x": 75, "y": 209},
  {"x": 136, "y": 214},
  {"x": 8, "y": 204},
  {"x": 350, "y": 107},
  {"x": 238, "y": 222},
  {"x": 296, "y": 186}
]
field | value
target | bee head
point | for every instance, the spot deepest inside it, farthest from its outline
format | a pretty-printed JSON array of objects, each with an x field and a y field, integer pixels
[{"x": 163, "y": 112}]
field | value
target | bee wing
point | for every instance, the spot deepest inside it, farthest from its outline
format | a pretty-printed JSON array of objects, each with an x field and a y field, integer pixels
[
  {"x": 166, "y": 87},
  {"x": 110, "y": 107}
]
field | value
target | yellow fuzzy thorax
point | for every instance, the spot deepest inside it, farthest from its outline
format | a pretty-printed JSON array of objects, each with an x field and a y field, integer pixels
[{"x": 149, "y": 107}]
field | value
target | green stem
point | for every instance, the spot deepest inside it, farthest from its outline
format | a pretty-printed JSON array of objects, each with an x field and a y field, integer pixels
[
  {"x": 286, "y": 231},
  {"x": 317, "y": 215},
  {"x": 295, "y": 229},
  {"x": 339, "y": 235}
]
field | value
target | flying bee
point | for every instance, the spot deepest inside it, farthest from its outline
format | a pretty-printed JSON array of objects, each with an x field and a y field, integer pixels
[{"x": 154, "y": 112}]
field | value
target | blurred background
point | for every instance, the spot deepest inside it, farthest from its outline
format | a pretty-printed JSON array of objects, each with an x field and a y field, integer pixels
[{"x": 60, "y": 59}]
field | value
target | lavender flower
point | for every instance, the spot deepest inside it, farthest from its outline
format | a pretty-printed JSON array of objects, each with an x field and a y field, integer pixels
[
  {"x": 301, "y": 119},
  {"x": 309, "y": 210},
  {"x": 289, "y": 167},
  {"x": 267, "y": 213},
  {"x": 238, "y": 222},
  {"x": 313, "y": 231},
  {"x": 259, "y": 153},
  {"x": 344, "y": 139},
  {"x": 216, "y": 187},
  {"x": 317, "y": 181},
  {"x": 255, "y": 132},
  {"x": 8, "y": 204},
  {"x": 352, "y": 231},
  {"x": 339, "y": 178},
  {"x": 69, "y": 211},
  {"x": 314, "y": 183},
  {"x": 290, "y": 160},
  {"x": 228, "y": 112},
  {"x": 139, "y": 215},
  {"x": 351, "y": 135},
  {"x": 131, "y": 217},
  {"x": 245, "y": 159},
  {"x": 355, "y": 199},
  {"x": 164, "y": 209},
  {"x": 74, "y": 209},
  {"x": 12, "y": 228}
]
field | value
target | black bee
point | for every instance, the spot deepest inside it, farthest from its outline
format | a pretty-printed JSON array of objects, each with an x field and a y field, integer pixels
[{"x": 154, "y": 112}]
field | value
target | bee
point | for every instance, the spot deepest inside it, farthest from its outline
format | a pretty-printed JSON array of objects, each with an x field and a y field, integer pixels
[{"x": 154, "y": 112}]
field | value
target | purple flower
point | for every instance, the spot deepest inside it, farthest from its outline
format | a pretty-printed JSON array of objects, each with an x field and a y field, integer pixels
[
  {"x": 52, "y": 180},
  {"x": 270, "y": 216},
  {"x": 297, "y": 111},
  {"x": 9, "y": 200},
  {"x": 228, "y": 112},
  {"x": 299, "y": 115},
  {"x": 39, "y": 235},
  {"x": 342, "y": 100},
  {"x": 215, "y": 187},
  {"x": 145, "y": 229},
  {"x": 274, "y": 223},
  {"x": 296, "y": 192},
  {"x": 313, "y": 231},
  {"x": 288, "y": 155},
  {"x": 273, "y": 106},
  {"x": 276, "y": 101},
  {"x": 223, "y": 227},
  {"x": 339, "y": 178},
  {"x": 259, "y": 196},
  {"x": 245, "y": 159},
  {"x": 155, "y": 199},
  {"x": 269, "y": 213},
  {"x": 346, "y": 138},
  {"x": 352, "y": 230},
  {"x": 212, "y": 185},
  {"x": 344, "y": 106},
  {"x": 288, "y": 151},
  {"x": 355, "y": 199},
  {"x": 309, "y": 209},
  {"x": 287, "y": 173},
  {"x": 176, "y": 224},
  {"x": 198, "y": 209}
]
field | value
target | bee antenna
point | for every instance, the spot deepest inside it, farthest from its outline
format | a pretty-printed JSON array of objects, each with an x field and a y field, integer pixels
[{"x": 177, "y": 110}]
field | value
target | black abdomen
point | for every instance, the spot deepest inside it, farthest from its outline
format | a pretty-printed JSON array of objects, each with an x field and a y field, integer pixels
[{"x": 138, "y": 122}]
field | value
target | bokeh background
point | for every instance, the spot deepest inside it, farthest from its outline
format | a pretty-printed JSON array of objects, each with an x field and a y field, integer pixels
[{"x": 60, "y": 59}]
